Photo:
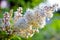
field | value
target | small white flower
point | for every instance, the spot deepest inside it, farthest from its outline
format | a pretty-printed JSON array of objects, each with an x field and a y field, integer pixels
[
  {"x": 29, "y": 16},
  {"x": 39, "y": 18},
  {"x": 17, "y": 14},
  {"x": 20, "y": 9},
  {"x": 49, "y": 13},
  {"x": 21, "y": 24},
  {"x": 6, "y": 19}
]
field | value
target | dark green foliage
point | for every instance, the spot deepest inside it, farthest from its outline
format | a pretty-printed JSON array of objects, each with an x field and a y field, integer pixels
[{"x": 24, "y": 3}]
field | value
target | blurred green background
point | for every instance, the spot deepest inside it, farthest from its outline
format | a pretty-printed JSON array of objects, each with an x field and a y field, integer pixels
[{"x": 50, "y": 32}]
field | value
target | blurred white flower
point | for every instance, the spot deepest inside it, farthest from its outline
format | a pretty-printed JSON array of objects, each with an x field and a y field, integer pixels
[
  {"x": 4, "y": 4},
  {"x": 26, "y": 33},
  {"x": 18, "y": 14},
  {"x": 33, "y": 19},
  {"x": 49, "y": 11},
  {"x": 29, "y": 16},
  {"x": 22, "y": 24},
  {"x": 20, "y": 9},
  {"x": 39, "y": 17},
  {"x": 6, "y": 19},
  {"x": 52, "y": 2}
]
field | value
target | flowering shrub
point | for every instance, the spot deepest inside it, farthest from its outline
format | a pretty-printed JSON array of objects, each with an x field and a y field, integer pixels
[{"x": 26, "y": 25}]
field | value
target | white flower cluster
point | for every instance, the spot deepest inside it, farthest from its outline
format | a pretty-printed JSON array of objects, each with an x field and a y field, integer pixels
[
  {"x": 29, "y": 23},
  {"x": 6, "y": 19},
  {"x": 17, "y": 14},
  {"x": 33, "y": 19}
]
